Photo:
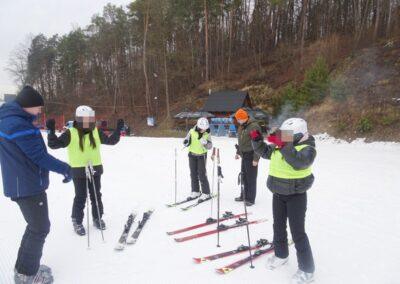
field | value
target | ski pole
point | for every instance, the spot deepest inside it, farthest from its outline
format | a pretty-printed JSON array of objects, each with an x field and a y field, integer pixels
[
  {"x": 240, "y": 179},
  {"x": 87, "y": 211},
  {"x": 213, "y": 181},
  {"x": 176, "y": 173},
  {"x": 91, "y": 174},
  {"x": 220, "y": 177}
]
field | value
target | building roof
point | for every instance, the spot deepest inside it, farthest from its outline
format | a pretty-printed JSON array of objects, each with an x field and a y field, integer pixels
[{"x": 226, "y": 101}]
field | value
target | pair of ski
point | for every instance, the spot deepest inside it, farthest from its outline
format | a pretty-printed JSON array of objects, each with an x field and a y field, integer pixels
[
  {"x": 222, "y": 227},
  {"x": 189, "y": 199},
  {"x": 241, "y": 249},
  {"x": 123, "y": 240}
]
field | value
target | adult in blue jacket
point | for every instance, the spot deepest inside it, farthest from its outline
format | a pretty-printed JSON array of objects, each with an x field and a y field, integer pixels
[{"x": 25, "y": 166}]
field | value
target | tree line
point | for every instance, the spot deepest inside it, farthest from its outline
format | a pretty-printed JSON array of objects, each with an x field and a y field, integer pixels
[{"x": 152, "y": 53}]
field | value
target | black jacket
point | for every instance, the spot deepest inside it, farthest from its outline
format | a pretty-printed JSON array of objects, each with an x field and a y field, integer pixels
[
  {"x": 63, "y": 141},
  {"x": 297, "y": 159}
]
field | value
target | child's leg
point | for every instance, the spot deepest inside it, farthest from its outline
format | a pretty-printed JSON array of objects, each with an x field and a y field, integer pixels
[
  {"x": 194, "y": 174},
  {"x": 297, "y": 206},
  {"x": 280, "y": 235},
  {"x": 97, "y": 183},
  {"x": 79, "y": 199},
  {"x": 202, "y": 173}
]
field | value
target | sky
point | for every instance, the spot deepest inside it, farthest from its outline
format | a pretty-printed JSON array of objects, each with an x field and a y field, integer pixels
[{"x": 19, "y": 19}]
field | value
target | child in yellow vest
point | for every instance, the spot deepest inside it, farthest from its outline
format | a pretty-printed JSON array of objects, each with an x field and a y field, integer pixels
[
  {"x": 83, "y": 141},
  {"x": 198, "y": 140},
  {"x": 291, "y": 154}
]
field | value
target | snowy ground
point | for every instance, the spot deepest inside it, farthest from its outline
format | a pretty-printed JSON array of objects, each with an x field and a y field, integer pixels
[{"x": 353, "y": 219}]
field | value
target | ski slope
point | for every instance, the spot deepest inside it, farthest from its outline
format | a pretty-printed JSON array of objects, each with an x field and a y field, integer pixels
[{"x": 353, "y": 218}]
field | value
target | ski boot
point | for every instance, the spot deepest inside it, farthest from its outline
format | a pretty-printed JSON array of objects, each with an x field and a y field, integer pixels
[
  {"x": 204, "y": 197},
  {"x": 78, "y": 228},
  {"x": 302, "y": 277},
  {"x": 194, "y": 195},
  {"x": 99, "y": 224},
  {"x": 43, "y": 276},
  {"x": 274, "y": 262}
]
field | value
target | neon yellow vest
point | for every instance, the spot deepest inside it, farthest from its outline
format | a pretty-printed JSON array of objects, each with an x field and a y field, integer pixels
[
  {"x": 195, "y": 146},
  {"x": 79, "y": 158},
  {"x": 278, "y": 167}
]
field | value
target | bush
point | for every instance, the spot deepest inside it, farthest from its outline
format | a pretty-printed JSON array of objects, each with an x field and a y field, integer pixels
[
  {"x": 313, "y": 89},
  {"x": 364, "y": 125}
]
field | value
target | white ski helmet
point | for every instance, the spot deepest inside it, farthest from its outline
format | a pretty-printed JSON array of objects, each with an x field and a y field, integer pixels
[
  {"x": 202, "y": 123},
  {"x": 84, "y": 111},
  {"x": 297, "y": 125}
]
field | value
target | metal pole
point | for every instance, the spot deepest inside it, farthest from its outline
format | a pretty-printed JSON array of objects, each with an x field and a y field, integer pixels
[
  {"x": 247, "y": 220},
  {"x": 176, "y": 174},
  {"x": 87, "y": 212},
  {"x": 220, "y": 177},
  {"x": 91, "y": 174},
  {"x": 213, "y": 182}
]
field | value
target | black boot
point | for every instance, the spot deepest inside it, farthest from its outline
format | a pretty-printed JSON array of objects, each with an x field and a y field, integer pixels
[
  {"x": 78, "y": 228},
  {"x": 239, "y": 199},
  {"x": 99, "y": 224}
]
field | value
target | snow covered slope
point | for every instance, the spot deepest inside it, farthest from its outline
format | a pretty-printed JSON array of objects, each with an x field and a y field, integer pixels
[{"x": 353, "y": 219}]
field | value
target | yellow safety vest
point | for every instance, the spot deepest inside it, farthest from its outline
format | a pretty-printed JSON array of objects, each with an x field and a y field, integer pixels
[
  {"x": 279, "y": 168},
  {"x": 79, "y": 158}
]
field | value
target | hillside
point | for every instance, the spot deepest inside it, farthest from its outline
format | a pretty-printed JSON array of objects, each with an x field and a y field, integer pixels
[{"x": 361, "y": 100}]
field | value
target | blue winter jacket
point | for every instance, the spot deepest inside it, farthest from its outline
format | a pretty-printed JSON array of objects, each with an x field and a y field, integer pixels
[{"x": 25, "y": 163}]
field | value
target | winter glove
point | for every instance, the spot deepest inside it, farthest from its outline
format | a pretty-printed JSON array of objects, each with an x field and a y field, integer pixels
[
  {"x": 276, "y": 140},
  {"x": 203, "y": 141},
  {"x": 120, "y": 124},
  {"x": 68, "y": 175},
  {"x": 51, "y": 125},
  {"x": 256, "y": 135}
]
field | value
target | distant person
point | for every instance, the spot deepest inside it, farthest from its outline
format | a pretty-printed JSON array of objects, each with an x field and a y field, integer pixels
[
  {"x": 198, "y": 141},
  {"x": 25, "y": 166},
  {"x": 291, "y": 156},
  {"x": 250, "y": 159},
  {"x": 83, "y": 141}
]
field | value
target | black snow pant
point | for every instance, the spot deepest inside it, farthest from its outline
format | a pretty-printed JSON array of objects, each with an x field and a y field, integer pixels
[
  {"x": 249, "y": 173},
  {"x": 81, "y": 195},
  {"x": 198, "y": 172},
  {"x": 36, "y": 214},
  {"x": 292, "y": 207}
]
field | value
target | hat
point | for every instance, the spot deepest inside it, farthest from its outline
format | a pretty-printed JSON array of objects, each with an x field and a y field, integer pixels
[
  {"x": 29, "y": 97},
  {"x": 241, "y": 114}
]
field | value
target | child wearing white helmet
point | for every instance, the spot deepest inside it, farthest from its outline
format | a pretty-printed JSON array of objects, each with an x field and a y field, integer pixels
[
  {"x": 83, "y": 141},
  {"x": 291, "y": 153},
  {"x": 198, "y": 141}
]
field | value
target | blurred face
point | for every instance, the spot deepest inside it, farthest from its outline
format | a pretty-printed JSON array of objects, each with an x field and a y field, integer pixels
[
  {"x": 33, "y": 110},
  {"x": 86, "y": 122},
  {"x": 242, "y": 121}
]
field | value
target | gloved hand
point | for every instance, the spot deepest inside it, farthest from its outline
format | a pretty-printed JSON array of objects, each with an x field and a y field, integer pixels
[
  {"x": 67, "y": 175},
  {"x": 276, "y": 140},
  {"x": 256, "y": 135},
  {"x": 203, "y": 141},
  {"x": 51, "y": 125},
  {"x": 120, "y": 124}
]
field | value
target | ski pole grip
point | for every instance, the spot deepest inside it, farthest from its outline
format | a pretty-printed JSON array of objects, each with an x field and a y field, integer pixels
[{"x": 213, "y": 154}]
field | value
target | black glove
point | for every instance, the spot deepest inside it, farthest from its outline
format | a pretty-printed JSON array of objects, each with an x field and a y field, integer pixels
[
  {"x": 67, "y": 175},
  {"x": 51, "y": 125},
  {"x": 120, "y": 124}
]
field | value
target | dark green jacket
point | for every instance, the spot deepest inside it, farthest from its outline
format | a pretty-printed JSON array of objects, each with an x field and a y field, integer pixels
[{"x": 245, "y": 140}]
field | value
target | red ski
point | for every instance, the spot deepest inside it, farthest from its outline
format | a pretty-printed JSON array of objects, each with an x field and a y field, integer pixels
[
  {"x": 210, "y": 221},
  {"x": 239, "y": 223},
  {"x": 256, "y": 254},
  {"x": 240, "y": 249},
  {"x": 236, "y": 264}
]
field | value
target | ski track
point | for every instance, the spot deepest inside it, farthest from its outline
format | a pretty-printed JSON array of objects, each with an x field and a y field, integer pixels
[{"x": 353, "y": 218}]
